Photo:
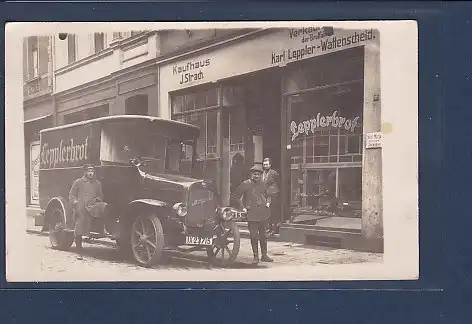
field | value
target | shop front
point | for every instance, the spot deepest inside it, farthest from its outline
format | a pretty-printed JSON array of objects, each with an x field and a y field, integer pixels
[{"x": 301, "y": 98}]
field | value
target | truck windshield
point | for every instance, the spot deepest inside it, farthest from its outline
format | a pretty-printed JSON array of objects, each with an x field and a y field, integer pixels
[{"x": 160, "y": 153}]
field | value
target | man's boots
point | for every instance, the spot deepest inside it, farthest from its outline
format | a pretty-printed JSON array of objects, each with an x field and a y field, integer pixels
[
  {"x": 255, "y": 251},
  {"x": 78, "y": 245},
  {"x": 265, "y": 257}
]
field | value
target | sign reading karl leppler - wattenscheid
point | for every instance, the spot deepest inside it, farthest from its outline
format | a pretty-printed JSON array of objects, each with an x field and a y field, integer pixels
[{"x": 309, "y": 42}]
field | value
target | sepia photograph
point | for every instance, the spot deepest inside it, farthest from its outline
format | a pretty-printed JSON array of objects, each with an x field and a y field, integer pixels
[{"x": 269, "y": 151}]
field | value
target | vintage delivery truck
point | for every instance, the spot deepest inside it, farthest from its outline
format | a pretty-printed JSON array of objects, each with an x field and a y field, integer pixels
[{"x": 145, "y": 166}]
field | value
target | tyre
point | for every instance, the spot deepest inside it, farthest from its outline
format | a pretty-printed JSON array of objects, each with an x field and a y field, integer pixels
[
  {"x": 59, "y": 238},
  {"x": 225, "y": 247},
  {"x": 147, "y": 239}
]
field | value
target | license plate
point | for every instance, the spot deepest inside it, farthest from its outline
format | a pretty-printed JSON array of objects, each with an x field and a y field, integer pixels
[{"x": 198, "y": 240}]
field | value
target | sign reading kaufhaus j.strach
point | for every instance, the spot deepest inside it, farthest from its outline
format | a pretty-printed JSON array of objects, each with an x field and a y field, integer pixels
[{"x": 69, "y": 147}]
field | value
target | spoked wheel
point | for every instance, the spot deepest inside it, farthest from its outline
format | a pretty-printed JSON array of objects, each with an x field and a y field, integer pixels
[
  {"x": 225, "y": 247},
  {"x": 60, "y": 239},
  {"x": 147, "y": 239}
]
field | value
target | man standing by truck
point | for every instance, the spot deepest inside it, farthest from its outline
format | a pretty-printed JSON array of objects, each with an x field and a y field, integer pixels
[
  {"x": 86, "y": 197},
  {"x": 271, "y": 179},
  {"x": 256, "y": 203}
]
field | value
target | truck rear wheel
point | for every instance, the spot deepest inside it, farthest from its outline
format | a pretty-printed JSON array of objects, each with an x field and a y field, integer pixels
[
  {"x": 59, "y": 238},
  {"x": 147, "y": 239}
]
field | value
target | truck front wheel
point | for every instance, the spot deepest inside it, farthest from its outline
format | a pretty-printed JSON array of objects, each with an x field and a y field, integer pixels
[{"x": 147, "y": 239}]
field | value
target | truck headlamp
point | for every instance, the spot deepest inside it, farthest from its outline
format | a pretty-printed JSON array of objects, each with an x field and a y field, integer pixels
[
  {"x": 180, "y": 209},
  {"x": 226, "y": 213}
]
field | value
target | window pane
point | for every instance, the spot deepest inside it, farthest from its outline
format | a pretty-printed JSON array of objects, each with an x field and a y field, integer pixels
[
  {"x": 99, "y": 39},
  {"x": 197, "y": 119},
  {"x": 238, "y": 129},
  {"x": 212, "y": 127},
  {"x": 353, "y": 144},
  {"x": 35, "y": 63},
  {"x": 350, "y": 191},
  {"x": 189, "y": 101},
  {"x": 177, "y": 104},
  {"x": 71, "y": 48},
  {"x": 212, "y": 97}
]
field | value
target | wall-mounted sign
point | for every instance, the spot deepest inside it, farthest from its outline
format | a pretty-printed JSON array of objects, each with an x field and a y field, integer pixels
[
  {"x": 310, "y": 125},
  {"x": 373, "y": 140},
  {"x": 319, "y": 42},
  {"x": 191, "y": 70}
]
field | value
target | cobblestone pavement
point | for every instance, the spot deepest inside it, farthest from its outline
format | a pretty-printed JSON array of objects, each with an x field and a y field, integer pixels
[{"x": 102, "y": 260}]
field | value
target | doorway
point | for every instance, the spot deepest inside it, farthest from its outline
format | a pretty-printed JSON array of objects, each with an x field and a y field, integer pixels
[{"x": 251, "y": 126}]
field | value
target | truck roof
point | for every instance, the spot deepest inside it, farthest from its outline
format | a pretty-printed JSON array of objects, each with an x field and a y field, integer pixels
[{"x": 112, "y": 118}]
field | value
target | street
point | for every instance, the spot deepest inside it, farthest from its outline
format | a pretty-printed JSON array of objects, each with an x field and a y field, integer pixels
[{"x": 104, "y": 260}]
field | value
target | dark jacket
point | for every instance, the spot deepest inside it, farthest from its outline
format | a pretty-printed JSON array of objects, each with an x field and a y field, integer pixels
[
  {"x": 86, "y": 198},
  {"x": 253, "y": 197},
  {"x": 271, "y": 180}
]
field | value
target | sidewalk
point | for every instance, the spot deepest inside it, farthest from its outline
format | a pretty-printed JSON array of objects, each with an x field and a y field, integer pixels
[{"x": 283, "y": 253}]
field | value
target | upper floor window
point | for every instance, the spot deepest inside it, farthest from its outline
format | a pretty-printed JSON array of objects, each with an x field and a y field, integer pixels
[
  {"x": 99, "y": 41},
  {"x": 33, "y": 57},
  {"x": 71, "y": 48}
]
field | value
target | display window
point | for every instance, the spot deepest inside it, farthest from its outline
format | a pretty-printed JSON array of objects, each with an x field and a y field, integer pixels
[
  {"x": 199, "y": 107},
  {"x": 325, "y": 136}
]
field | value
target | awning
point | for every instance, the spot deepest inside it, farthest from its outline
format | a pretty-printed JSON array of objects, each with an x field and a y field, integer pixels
[{"x": 36, "y": 119}]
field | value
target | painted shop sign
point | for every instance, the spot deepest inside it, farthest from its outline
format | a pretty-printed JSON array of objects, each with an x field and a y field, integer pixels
[
  {"x": 68, "y": 152},
  {"x": 70, "y": 147},
  {"x": 307, "y": 34},
  {"x": 310, "y": 125},
  {"x": 191, "y": 70},
  {"x": 319, "y": 43}
]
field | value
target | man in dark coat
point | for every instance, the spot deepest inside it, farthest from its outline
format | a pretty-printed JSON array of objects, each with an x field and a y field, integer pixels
[
  {"x": 86, "y": 198},
  {"x": 256, "y": 203},
  {"x": 271, "y": 179}
]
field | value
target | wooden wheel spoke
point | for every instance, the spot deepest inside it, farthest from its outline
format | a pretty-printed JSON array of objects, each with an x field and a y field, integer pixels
[
  {"x": 217, "y": 250},
  {"x": 148, "y": 252},
  {"x": 137, "y": 232},
  {"x": 151, "y": 244},
  {"x": 143, "y": 227},
  {"x": 228, "y": 250}
]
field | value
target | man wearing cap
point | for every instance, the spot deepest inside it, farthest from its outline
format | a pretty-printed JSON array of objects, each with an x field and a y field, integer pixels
[
  {"x": 256, "y": 203},
  {"x": 86, "y": 198}
]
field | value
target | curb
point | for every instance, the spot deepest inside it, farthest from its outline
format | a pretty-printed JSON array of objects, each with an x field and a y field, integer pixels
[
  {"x": 275, "y": 238},
  {"x": 88, "y": 241}
]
